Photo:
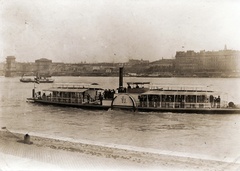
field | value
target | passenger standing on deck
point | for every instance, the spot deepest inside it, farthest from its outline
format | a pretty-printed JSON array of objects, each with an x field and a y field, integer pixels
[
  {"x": 83, "y": 95},
  {"x": 100, "y": 98},
  {"x": 50, "y": 96},
  {"x": 88, "y": 98},
  {"x": 211, "y": 100},
  {"x": 215, "y": 101},
  {"x": 140, "y": 100},
  {"x": 105, "y": 94},
  {"x": 113, "y": 92},
  {"x": 218, "y": 102},
  {"x": 44, "y": 96}
]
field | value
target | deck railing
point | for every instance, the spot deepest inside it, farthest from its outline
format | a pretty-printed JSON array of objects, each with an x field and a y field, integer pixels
[
  {"x": 75, "y": 100},
  {"x": 71, "y": 86},
  {"x": 192, "y": 88},
  {"x": 63, "y": 100},
  {"x": 176, "y": 105}
]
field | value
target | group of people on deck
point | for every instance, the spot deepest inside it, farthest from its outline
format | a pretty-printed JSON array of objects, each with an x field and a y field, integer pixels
[
  {"x": 215, "y": 101},
  {"x": 108, "y": 94}
]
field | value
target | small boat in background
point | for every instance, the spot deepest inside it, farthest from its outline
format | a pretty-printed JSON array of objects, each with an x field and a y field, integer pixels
[
  {"x": 37, "y": 80},
  {"x": 94, "y": 84}
]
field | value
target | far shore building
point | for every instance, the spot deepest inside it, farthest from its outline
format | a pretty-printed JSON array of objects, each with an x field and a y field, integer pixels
[
  {"x": 161, "y": 68},
  {"x": 43, "y": 66},
  {"x": 208, "y": 62},
  {"x": 137, "y": 62},
  {"x": 163, "y": 64}
]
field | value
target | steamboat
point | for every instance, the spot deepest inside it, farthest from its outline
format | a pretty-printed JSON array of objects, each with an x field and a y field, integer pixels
[
  {"x": 37, "y": 80},
  {"x": 137, "y": 96}
]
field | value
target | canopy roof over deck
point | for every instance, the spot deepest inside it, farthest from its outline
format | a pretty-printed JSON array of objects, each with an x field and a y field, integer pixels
[
  {"x": 138, "y": 82},
  {"x": 180, "y": 87},
  {"x": 181, "y": 93},
  {"x": 66, "y": 90}
]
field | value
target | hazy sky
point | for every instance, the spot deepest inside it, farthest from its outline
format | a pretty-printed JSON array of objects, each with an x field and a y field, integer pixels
[{"x": 115, "y": 30}]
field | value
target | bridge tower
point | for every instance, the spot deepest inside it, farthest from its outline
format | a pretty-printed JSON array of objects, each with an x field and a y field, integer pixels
[{"x": 10, "y": 69}]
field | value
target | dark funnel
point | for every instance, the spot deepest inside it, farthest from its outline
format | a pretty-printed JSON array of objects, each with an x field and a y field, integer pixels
[{"x": 120, "y": 77}]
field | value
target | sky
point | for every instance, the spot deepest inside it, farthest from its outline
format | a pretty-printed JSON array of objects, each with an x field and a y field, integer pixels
[{"x": 74, "y": 31}]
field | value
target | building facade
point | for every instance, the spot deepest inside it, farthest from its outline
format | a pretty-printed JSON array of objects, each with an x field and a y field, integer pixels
[
  {"x": 43, "y": 66},
  {"x": 210, "y": 62}
]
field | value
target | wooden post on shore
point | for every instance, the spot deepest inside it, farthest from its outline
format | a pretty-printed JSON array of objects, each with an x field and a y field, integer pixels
[{"x": 27, "y": 139}]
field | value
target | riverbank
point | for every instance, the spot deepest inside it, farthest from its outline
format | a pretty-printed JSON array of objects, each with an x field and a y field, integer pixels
[{"x": 51, "y": 154}]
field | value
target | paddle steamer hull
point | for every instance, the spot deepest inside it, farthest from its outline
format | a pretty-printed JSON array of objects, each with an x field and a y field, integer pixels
[
  {"x": 139, "y": 109},
  {"x": 137, "y": 96}
]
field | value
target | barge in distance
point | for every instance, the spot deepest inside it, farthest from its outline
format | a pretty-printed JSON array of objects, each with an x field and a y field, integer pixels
[{"x": 137, "y": 96}]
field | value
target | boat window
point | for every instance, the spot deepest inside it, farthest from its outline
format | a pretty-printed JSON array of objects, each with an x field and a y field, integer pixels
[
  {"x": 201, "y": 98},
  {"x": 179, "y": 98},
  {"x": 168, "y": 98},
  {"x": 164, "y": 97},
  {"x": 143, "y": 98},
  {"x": 54, "y": 94},
  {"x": 191, "y": 98},
  {"x": 64, "y": 95},
  {"x": 150, "y": 97},
  {"x": 154, "y": 98}
]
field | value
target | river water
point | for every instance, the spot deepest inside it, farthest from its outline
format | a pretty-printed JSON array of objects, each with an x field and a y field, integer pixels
[{"x": 206, "y": 136}]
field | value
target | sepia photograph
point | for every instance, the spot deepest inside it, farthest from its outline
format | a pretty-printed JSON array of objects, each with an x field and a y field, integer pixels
[{"x": 113, "y": 85}]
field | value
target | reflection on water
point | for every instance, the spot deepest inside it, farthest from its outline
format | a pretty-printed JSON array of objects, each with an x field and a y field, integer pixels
[{"x": 214, "y": 135}]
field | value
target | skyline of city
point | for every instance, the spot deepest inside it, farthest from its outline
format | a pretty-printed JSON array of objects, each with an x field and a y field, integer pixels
[
  {"x": 130, "y": 59},
  {"x": 222, "y": 63},
  {"x": 99, "y": 31}
]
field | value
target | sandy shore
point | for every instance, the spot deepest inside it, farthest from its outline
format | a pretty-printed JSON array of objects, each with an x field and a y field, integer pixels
[{"x": 51, "y": 154}]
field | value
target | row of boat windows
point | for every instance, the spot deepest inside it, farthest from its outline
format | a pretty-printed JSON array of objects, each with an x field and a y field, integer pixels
[
  {"x": 108, "y": 94},
  {"x": 176, "y": 105},
  {"x": 89, "y": 95},
  {"x": 180, "y": 98},
  {"x": 156, "y": 98},
  {"x": 67, "y": 95}
]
